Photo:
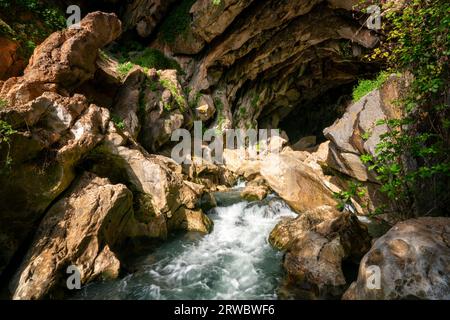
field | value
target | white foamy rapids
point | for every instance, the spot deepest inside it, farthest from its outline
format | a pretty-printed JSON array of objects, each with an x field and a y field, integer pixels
[
  {"x": 241, "y": 183},
  {"x": 235, "y": 261}
]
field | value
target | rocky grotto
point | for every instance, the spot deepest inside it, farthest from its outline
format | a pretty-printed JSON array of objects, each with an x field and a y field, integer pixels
[{"x": 87, "y": 115}]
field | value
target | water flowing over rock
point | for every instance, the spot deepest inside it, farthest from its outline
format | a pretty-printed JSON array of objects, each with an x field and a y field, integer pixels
[
  {"x": 413, "y": 260},
  {"x": 87, "y": 179}
]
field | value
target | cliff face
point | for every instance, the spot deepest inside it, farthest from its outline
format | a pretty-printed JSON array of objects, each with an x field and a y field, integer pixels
[
  {"x": 262, "y": 59},
  {"x": 256, "y": 61}
]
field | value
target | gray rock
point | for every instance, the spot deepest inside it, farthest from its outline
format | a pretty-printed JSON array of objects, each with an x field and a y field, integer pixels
[{"x": 414, "y": 263}]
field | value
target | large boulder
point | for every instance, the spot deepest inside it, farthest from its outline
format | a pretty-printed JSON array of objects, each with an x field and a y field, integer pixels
[
  {"x": 53, "y": 134},
  {"x": 165, "y": 109},
  {"x": 357, "y": 132},
  {"x": 164, "y": 200},
  {"x": 298, "y": 184},
  {"x": 64, "y": 60},
  {"x": 318, "y": 243},
  {"x": 68, "y": 57},
  {"x": 81, "y": 229},
  {"x": 255, "y": 189},
  {"x": 208, "y": 174},
  {"x": 413, "y": 260}
]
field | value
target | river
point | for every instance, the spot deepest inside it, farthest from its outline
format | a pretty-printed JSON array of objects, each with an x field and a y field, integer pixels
[{"x": 234, "y": 261}]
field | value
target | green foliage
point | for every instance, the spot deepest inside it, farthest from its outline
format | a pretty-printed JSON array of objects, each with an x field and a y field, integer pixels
[
  {"x": 124, "y": 68},
  {"x": 344, "y": 198},
  {"x": 51, "y": 16},
  {"x": 216, "y": 2},
  {"x": 255, "y": 101},
  {"x": 177, "y": 22},
  {"x": 3, "y": 103},
  {"x": 5, "y": 131},
  {"x": 153, "y": 58},
  {"x": 366, "y": 135},
  {"x": 118, "y": 121},
  {"x": 5, "y": 137},
  {"x": 418, "y": 42},
  {"x": 167, "y": 106},
  {"x": 169, "y": 85},
  {"x": 28, "y": 31},
  {"x": 366, "y": 86},
  {"x": 148, "y": 58},
  {"x": 153, "y": 86},
  {"x": 195, "y": 102},
  {"x": 242, "y": 112}
]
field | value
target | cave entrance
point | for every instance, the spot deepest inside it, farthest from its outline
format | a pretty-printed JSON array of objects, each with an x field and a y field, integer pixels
[{"x": 309, "y": 118}]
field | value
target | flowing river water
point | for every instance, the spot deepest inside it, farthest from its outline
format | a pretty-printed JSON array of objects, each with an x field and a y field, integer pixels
[{"x": 234, "y": 261}]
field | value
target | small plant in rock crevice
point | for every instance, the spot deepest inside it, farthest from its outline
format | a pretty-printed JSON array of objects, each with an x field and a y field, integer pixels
[
  {"x": 6, "y": 131},
  {"x": 345, "y": 197},
  {"x": 118, "y": 121},
  {"x": 220, "y": 117},
  {"x": 124, "y": 68},
  {"x": 195, "y": 102},
  {"x": 169, "y": 85}
]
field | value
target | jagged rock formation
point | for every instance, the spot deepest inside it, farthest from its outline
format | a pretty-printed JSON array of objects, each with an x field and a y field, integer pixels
[
  {"x": 253, "y": 62},
  {"x": 54, "y": 131},
  {"x": 357, "y": 132},
  {"x": 265, "y": 58},
  {"x": 80, "y": 229},
  {"x": 316, "y": 244},
  {"x": 58, "y": 134}
]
